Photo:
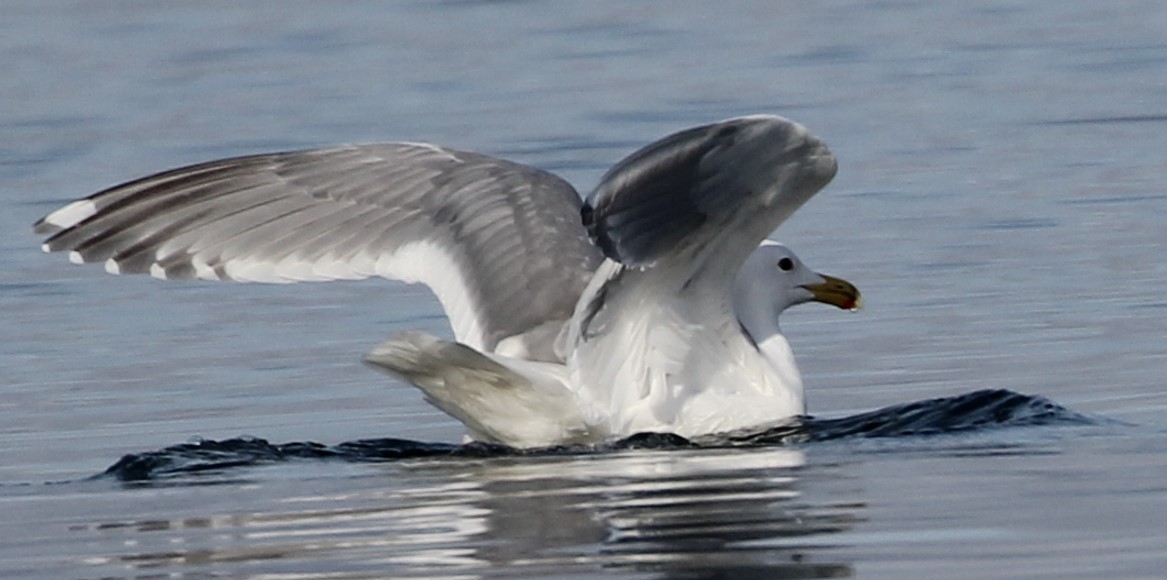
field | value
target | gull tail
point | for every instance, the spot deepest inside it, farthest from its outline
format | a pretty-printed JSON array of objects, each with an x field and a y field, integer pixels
[{"x": 498, "y": 399}]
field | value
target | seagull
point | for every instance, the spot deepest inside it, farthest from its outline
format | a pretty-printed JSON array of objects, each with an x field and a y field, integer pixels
[{"x": 651, "y": 306}]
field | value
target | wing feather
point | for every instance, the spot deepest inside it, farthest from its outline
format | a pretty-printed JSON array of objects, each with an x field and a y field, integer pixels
[
  {"x": 733, "y": 181},
  {"x": 500, "y": 243}
]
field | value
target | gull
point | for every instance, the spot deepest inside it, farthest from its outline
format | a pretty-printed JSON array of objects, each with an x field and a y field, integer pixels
[{"x": 651, "y": 306}]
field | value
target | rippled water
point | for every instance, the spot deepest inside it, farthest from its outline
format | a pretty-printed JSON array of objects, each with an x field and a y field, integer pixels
[{"x": 1000, "y": 202}]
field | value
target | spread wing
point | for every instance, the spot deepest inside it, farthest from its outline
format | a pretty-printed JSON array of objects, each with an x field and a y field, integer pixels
[
  {"x": 711, "y": 191},
  {"x": 500, "y": 243},
  {"x": 656, "y": 340}
]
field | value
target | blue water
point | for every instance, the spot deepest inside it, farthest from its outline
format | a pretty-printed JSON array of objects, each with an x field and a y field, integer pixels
[{"x": 1000, "y": 202}]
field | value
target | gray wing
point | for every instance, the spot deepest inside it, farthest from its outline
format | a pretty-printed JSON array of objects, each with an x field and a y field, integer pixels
[
  {"x": 500, "y": 243},
  {"x": 727, "y": 184},
  {"x": 676, "y": 220}
]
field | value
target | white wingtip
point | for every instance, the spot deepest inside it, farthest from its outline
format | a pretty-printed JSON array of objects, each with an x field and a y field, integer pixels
[
  {"x": 76, "y": 258},
  {"x": 111, "y": 266},
  {"x": 157, "y": 271},
  {"x": 72, "y": 214},
  {"x": 203, "y": 271}
]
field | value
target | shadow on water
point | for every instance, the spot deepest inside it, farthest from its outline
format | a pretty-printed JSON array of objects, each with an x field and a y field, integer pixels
[{"x": 975, "y": 411}]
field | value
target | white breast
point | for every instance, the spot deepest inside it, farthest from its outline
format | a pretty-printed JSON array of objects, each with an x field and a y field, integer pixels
[{"x": 653, "y": 354}]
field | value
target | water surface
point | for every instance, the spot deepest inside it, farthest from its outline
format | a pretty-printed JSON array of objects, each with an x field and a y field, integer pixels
[{"x": 1000, "y": 202}]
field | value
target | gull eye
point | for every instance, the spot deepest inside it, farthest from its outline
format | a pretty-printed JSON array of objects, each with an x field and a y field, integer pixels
[{"x": 786, "y": 264}]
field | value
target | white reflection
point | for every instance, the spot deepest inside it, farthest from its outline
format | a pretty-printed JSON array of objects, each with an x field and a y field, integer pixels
[
  {"x": 650, "y": 510},
  {"x": 729, "y": 511}
]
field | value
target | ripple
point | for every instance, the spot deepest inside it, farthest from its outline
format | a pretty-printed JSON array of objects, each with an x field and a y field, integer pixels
[{"x": 975, "y": 411}]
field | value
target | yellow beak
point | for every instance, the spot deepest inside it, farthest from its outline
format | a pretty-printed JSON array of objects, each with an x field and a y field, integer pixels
[{"x": 836, "y": 292}]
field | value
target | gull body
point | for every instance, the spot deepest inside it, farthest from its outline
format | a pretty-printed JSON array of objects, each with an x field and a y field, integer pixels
[{"x": 652, "y": 306}]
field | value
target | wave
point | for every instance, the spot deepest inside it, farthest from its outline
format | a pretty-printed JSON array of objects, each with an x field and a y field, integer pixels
[{"x": 975, "y": 411}]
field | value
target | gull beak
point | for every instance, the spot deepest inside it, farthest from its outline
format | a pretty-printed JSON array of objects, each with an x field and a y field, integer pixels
[{"x": 836, "y": 292}]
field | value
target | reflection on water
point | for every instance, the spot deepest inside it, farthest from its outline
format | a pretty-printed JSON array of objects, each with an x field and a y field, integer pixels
[
  {"x": 740, "y": 506},
  {"x": 648, "y": 504},
  {"x": 672, "y": 513},
  {"x": 697, "y": 515}
]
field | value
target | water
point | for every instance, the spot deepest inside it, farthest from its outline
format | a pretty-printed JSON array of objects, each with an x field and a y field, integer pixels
[{"x": 999, "y": 202}]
